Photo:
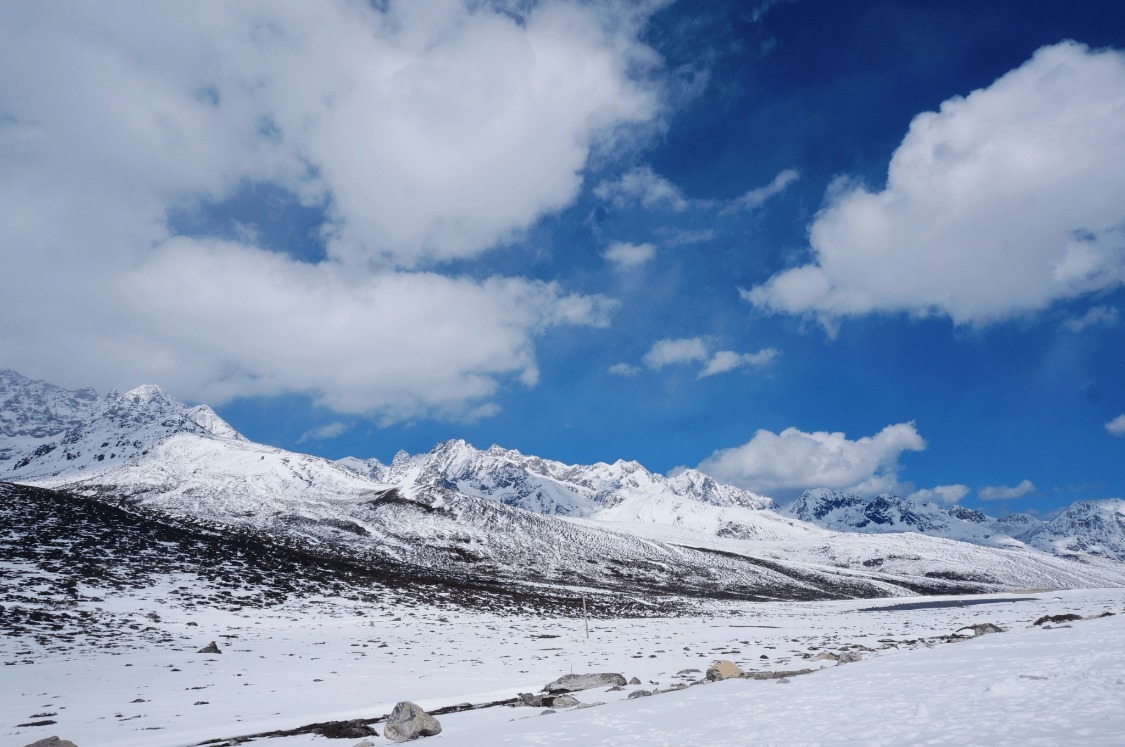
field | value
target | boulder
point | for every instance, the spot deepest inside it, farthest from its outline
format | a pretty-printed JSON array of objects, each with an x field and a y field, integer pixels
[
  {"x": 569, "y": 683},
  {"x": 634, "y": 681},
  {"x": 52, "y": 742},
  {"x": 408, "y": 721},
  {"x": 848, "y": 657},
  {"x": 564, "y": 701},
  {"x": 211, "y": 648},
  {"x": 723, "y": 670},
  {"x": 1057, "y": 619},
  {"x": 640, "y": 694}
]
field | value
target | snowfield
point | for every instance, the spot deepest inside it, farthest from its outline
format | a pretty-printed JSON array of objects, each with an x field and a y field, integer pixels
[{"x": 319, "y": 659}]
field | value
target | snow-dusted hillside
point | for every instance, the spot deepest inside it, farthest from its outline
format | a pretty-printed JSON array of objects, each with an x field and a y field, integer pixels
[{"x": 545, "y": 486}]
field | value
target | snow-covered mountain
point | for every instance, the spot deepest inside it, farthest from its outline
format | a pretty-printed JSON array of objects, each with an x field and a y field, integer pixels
[
  {"x": 884, "y": 514},
  {"x": 1086, "y": 528},
  {"x": 458, "y": 513},
  {"x": 545, "y": 486}
]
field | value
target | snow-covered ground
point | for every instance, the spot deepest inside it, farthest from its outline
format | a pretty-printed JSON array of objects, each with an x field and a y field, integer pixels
[{"x": 314, "y": 660}]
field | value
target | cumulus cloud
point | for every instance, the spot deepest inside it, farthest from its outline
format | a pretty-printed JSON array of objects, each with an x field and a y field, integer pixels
[
  {"x": 728, "y": 360},
  {"x": 642, "y": 186},
  {"x": 1005, "y": 493},
  {"x": 794, "y": 460},
  {"x": 947, "y": 494},
  {"x": 996, "y": 205},
  {"x": 668, "y": 352},
  {"x": 323, "y": 433},
  {"x": 1097, "y": 315},
  {"x": 1116, "y": 427},
  {"x": 424, "y": 131},
  {"x": 627, "y": 256}
]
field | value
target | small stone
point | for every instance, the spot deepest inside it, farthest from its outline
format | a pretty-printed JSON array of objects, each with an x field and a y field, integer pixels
[
  {"x": 211, "y": 648},
  {"x": 640, "y": 694},
  {"x": 548, "y": 711},
  {"x": 634, "y": 681}
]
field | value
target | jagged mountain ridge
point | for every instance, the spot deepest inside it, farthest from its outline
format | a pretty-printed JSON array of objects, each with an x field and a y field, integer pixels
[
  {"x": 165, "y": 457},
  {"x": 1090, "y": 528},
  {"x": 545, "y": 486}
]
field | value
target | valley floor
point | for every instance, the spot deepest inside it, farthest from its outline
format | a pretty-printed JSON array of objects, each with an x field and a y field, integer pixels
[{"x": 322, "y": 659}]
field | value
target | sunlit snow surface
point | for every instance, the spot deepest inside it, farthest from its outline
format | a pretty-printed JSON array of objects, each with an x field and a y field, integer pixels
[{"x": 322, "y": 659}]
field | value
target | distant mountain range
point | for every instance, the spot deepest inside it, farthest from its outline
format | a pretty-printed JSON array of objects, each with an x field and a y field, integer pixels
[{"x": 459, "y": 512}]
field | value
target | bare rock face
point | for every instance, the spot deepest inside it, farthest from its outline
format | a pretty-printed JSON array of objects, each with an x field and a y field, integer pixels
[
  {"x": 723, "y": 670},
  {"x": 52, "y": 742},
  {"x": 210, "y": 648},
  {"x": 408, "y": 721},
  {"x": 569, "y": 683}
]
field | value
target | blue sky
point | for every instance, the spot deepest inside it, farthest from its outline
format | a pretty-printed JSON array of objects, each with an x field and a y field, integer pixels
[{"x": 871, "y": 246}]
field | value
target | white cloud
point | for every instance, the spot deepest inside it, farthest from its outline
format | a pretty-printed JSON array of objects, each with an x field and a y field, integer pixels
[
  {"x": 757, "y": 197},
  {"x": 628, "y": 256},
  {"x": 795, "y": 460},
  {"x": 643, "y": 186},
  {"x": 624, "y": 369},
  {"x": 429, "y": 131},
  {"x": 669, "y": 352},
  {"x": 728, "y": 360},
  {"x": 1005, "y": 493},
  {"x": 1096, "y": 315},
  {"x": 999, "y": 204},
  {"x": 323, "y": 433},
  {"x": 947, "y": 494},
  {"x": 1116, "y": 427}
]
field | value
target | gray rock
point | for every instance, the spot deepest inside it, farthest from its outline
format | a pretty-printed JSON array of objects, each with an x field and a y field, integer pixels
[
  {"x": 52, "y": 742},
  {"x": 211, "y": 648},
  {"x": 634, "y": 681},
  {"x": 564, "y": 701},
  {"x": 408, "y": 721},
  {"x": 548, "y": 712},
  {"x": 639, "y": 694},
  {"x": 589, "y": 705},
  {"x": 569, "y": 683},
  {"x": 365, "y": 743},
  {"x": 848, "y": 657}
]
